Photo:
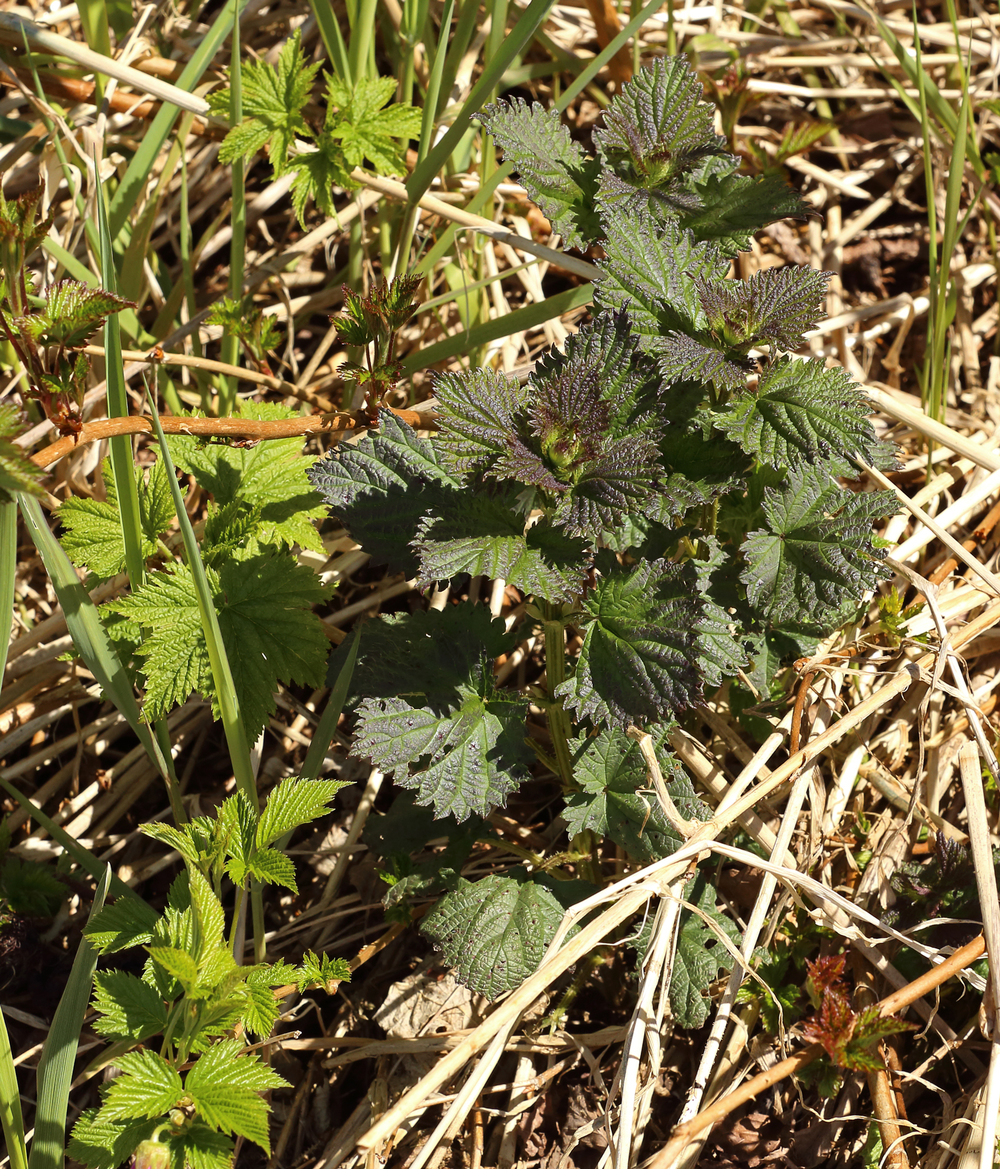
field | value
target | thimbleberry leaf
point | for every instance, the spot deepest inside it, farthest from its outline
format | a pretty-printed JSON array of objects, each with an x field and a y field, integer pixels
[
  {"x": 638, "y": 662},
  {"x": 494, "y": 932},
  {"x": 803, "y": 413},
  {"x": 817, "y": 553},
  {"x": 476, "y": 750},
  {"x": 381, "y": 487},
  {"x": 553, "y": 169}
]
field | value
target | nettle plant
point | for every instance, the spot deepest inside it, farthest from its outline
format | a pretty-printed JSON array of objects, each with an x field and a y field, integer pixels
[
  {"x": 665, "y": 492},
  {"x": 181, "y": 1032}
]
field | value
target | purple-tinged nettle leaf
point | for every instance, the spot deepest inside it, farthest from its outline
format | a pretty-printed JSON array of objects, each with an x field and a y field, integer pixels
[
  {"x": 732, "y": 207},
  {"x": 655, "y": 130},
  {"x": 684, "y": 358},
  {"x": 803, "y": 413},
  {"x": 817, "y": 554},
  {"x": 554, "y": 169},
  {"x": 639, "y": 658},
  {"x": 582, "y": 432},
  {"x": 774, "y": 307}
]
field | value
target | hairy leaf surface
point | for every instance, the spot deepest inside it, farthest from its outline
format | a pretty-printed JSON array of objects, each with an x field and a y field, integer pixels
[
  {"x": 638, "y": 662},
  {"x": 382, "y": 486},
  {"x": 475, "y": 754},
  {"x": 817, "y": 553},
  {"x": 553, "y": 169},
  {"x": 803, "y": 413},
  {"x": 494, "y": 931}
]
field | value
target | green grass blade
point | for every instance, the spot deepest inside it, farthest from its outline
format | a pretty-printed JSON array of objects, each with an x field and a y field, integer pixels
[
  {"x": 10, "y": 1104},
  {"x": 83, "y": 621},
  {"x": 529, "y": 317},
  {"x": 327, "y": 725},
  {"x": 238, "y": 219},
  {"x": 55, "y": 1069},
  {"x": 159, "y": 129},
  {"x": 222, "y": 675},
  {"x": 120, "y": 446},
  {"x": 8, "y": 571},
  {"x": 424, "y": 172},
  {"x": 362, "y": 30},
  {"x": 333, "y": 40}
]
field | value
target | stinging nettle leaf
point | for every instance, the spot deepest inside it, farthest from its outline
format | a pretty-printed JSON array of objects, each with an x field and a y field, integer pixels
[
  {"x": 494, "y": 931},
  {"x": 817, "y": 554},
  {"x": 553, "y": 169},
  {"x": 638, "y": 662},
  {"x": 803, "y": 413},
  {"x": 477, "y": 750},
  {"x": 382, "y": 486},
  {"x": 700, "y": 956}
]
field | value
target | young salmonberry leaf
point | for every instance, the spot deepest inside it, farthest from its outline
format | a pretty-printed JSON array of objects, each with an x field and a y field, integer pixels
[
  {"x": 381, "y": 487},
  {"x": 656, "y": 273},
  {"x": 268, "y": 627},
  {"x": 368, "y": 127},
  {"x": 321, "y": 971},
  {"x": 554, "y": 169},
  {"x": 271, "y": 476},
  {"x": 803, "y": 414},
  {"x": 72, "y": 312},
  {"x": 273, "y": 100},
  {"x": 483, "y": 534},
  {"x": 148, "y": 1086},
  {"x": 477, "y": 750},
  {"x": 617, "y": 800},
  {"x": 17, "y": 471},
  {"x": 700, "y": 955},
  {"x": 101, "y": 1143},
  {"x": 294, "y": 802},
  {"x": 198, "y": 1147},
  {"x": 126, "y": 923},
  {"x": 655, "y": 130},
  {"x": 93, "y": 528},
  {"x": 127, "y": 1007},
  {"x": 223, "y": 1085},
  {"x": 638, "y": 662},
  {"x": 494, "y": 931},
  {"x": 817, "y": 553}
]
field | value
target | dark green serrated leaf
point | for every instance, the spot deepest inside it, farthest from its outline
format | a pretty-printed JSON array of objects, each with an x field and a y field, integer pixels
[
  {"x": 638, "y": 661},
  {"x": 494, "y": 931},
  {"x": 30, "y": 888},
  {"x": 381, "y": 487},
  {"x": 817, "y": 553},
  {"x": 655, "y": 273},
  {"x": 700, "y": 956},
  {"x": 803, "y": 413},
  {"x": 428, "y": 653},
  {"x": 483, "y": 535},
  {"x": 553, "y": 169},
  {"x": 617, "y": 799},
  {"x": 733, "y": 207},
  {"x": 477, "y": 750}
]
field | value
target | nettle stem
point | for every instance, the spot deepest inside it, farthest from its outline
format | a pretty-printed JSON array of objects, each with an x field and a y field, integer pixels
[{"x": 555, "y": 675}]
